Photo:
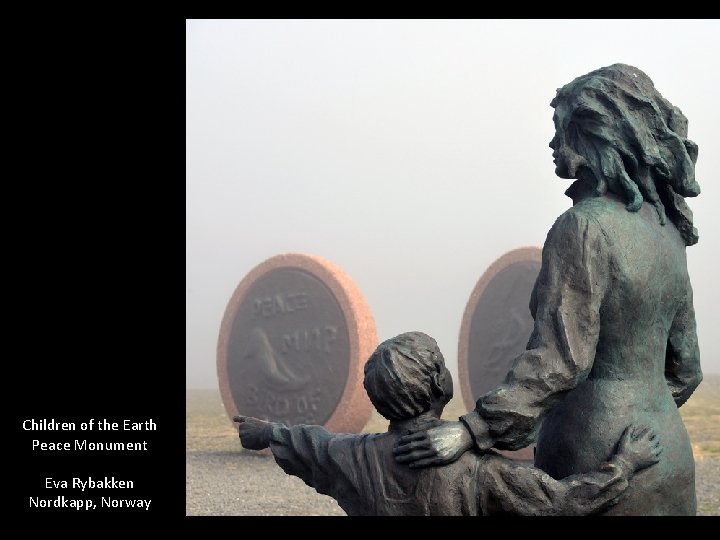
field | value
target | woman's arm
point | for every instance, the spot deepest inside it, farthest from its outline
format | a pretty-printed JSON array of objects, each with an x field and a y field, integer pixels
[
  {"x": 682, "y": 359},
  {"x": 565, "y": 304}
]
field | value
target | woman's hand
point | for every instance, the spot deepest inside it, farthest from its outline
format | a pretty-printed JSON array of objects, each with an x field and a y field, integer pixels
[{"x": 435, "y": 446}]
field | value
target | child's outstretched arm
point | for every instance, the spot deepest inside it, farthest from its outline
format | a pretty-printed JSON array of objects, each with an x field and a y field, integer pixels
[{"x": 309, "y": 452}]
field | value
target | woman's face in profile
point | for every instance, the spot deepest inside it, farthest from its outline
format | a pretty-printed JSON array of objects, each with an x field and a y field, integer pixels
[
  {"x": 566, "y": 160},
  {"x": 557, "y": 143}
]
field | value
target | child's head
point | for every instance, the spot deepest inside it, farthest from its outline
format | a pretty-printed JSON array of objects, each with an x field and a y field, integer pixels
[{"x": 406, "y": 376}]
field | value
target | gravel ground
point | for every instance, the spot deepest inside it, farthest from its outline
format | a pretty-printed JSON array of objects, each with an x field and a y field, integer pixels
[
  {"x": 224, "y": 480},
  {"x": 707, "y": 486},
  {"x": 243, "y": 483}
]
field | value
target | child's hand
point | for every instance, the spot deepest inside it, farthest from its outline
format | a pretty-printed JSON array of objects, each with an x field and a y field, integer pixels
[
  {"x": 254, "y": 433},
  {"x": 640, "y": 446}
]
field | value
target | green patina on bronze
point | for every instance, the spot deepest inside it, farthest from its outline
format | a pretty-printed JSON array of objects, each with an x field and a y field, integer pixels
[
  {"x": 614, "y": 341},
  {"x": 612, "y": 355}
]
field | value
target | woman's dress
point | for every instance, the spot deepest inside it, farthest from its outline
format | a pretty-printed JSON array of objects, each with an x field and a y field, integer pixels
[{"x": 614, "y": 344}]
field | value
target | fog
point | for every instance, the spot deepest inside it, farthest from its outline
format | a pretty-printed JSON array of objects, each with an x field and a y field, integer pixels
[{"x": 412, "y": 154}]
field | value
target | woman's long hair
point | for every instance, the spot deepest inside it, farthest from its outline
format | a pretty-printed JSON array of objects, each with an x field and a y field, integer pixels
[{"x": 632, "y": 140}]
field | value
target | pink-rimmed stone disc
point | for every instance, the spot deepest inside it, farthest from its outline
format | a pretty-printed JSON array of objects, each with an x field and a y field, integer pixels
[{"x": 293, "y": 342}]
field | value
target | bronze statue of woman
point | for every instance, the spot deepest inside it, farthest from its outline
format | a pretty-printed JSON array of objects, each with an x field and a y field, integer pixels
[{"x": 614, "y": 340}]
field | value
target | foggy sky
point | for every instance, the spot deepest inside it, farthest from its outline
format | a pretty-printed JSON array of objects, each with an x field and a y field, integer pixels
[{"x": 412, "y": 154}]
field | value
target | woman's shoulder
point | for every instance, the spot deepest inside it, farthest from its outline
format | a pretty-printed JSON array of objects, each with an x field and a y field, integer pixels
[
  {"x": 597, "y": 207},
  {"x": 591, "y": 213},
  {"x": 579, "y": 215},
  {"x": 585, "y": 224}
]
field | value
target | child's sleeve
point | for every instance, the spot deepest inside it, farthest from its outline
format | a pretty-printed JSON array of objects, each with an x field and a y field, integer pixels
[
  {"x": 509, "y": 487},
  {"x": 304, "y": 451}
]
